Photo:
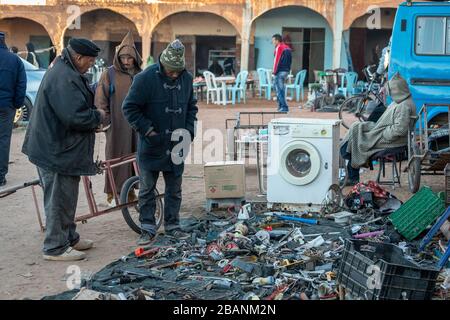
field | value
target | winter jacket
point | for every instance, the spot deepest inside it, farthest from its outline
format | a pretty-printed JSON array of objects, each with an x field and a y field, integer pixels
[
  {"x": 61, "y": 134},
  {"x": 13, "y": 79},
  {"x": 283, "y": 59},
  {"x": 157, "y": 103}
]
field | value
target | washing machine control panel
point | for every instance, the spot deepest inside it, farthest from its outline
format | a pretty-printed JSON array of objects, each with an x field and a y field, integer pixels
[{"x": 311, "y": 131}]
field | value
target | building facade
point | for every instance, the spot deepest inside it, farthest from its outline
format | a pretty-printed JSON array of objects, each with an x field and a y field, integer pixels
[{"x": 324, "y": 34}]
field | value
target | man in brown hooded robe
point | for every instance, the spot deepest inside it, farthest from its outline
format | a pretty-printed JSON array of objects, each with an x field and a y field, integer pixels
[{"x": 112, "y": 89}]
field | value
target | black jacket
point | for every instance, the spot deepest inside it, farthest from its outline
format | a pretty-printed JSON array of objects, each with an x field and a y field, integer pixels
[
  {"x": 61, "y": 133},
  {"x": 13, "y": 79},
  {"x": 158, "y": 103}
]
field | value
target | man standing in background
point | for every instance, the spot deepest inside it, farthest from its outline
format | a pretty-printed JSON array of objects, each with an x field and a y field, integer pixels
[
  {"x": 281, "y": 69},
  {"x": 13, "y": 84}
]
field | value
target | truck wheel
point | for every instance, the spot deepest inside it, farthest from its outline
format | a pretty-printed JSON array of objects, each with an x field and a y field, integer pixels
[{"x": 414, "y": 172}]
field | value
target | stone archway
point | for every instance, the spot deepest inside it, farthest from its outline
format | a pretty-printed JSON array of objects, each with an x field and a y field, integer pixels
[
  {"x": 20, "y": 31},
  {"x": 206, "y": 35},
  {"x": 367, "y": 36},
  {"x": 324, "y": 8},
  {"x": 307, "y": 31},
  {"x": 355, "y": 9},
  {"x": 106, "y": 28}
]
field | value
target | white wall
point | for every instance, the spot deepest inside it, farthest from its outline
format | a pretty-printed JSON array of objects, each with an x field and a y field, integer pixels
[{"x": 290, "y": 17}]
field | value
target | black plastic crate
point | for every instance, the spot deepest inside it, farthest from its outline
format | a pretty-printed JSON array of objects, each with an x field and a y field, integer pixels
[{"x": 379, "y": 271}]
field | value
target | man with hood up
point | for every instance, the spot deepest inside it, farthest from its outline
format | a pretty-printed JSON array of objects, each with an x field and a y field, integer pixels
[
  {"x": 111, "y": 91},
  {"x": 364, "y": 139}
]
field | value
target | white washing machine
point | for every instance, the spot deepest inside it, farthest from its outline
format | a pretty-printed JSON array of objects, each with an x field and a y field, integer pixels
[{"x": 302, "y": 160}]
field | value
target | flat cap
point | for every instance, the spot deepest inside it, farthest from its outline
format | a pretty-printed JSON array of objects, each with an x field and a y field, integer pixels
[{"x": 85, "y": 47}]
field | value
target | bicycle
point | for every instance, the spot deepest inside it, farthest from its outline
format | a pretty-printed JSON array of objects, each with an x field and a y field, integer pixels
[{"x": 361, "y": 107}]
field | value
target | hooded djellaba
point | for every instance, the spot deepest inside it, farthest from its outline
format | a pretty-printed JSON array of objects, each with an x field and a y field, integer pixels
[
  {"x": 391, "y": 131},
  {"x": 111, "y": 91}
]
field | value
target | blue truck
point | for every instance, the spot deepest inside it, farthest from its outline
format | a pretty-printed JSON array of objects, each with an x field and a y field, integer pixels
[{"x": 420, "y": 51}]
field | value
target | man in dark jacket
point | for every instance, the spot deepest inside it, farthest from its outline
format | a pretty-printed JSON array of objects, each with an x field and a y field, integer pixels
[
  {"x": 13, "y": 84},
  {"x": 60, "y": 141},
  {"x": 161, "y": 107},
  {"x": 281, "y": 68},
  {"x": 216, "y": 68}
]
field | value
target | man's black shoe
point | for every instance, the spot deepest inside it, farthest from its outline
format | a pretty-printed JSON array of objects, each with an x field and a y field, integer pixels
[
  {"x": 145, "y": 238},
  {"x": 2, "y": 182},
  {"x": 177, "y": 233}
]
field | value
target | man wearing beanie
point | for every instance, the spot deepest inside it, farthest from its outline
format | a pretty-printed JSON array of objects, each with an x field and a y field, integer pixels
[
  {"x": 60, "y": 141},
  {"x": 161, "y": 108},
  {"x": 13, "y": 84}
]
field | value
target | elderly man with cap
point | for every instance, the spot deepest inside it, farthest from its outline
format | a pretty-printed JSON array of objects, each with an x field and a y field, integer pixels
[
  {"x": 162, "y": 109},
  {"x": 60, "y": 141},
  {"x": 111, "y": 91},
  {"x": 13, "y": 84}
]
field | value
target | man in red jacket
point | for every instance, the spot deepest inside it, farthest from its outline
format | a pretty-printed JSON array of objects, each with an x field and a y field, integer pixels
[{"x": 281, "y": 69}]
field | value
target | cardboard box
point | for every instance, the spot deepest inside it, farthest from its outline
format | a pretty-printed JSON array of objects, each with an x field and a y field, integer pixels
[{"x": 225, "y": 179}]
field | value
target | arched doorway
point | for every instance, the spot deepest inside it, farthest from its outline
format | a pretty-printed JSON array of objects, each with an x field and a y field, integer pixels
[
  {"x": 21, "y": 31},
  {"x": 107, "y": 29},
  {"x": 306, "y": 31},
  {"x": 206, "y": 36},
  {"x": 366, "y": 42}
]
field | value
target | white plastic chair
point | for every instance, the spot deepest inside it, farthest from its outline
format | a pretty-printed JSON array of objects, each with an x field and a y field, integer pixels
[{"x": 211, "y": 87}]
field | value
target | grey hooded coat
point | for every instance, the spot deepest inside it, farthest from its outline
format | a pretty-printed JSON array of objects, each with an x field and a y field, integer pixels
[{"x": 391, "y": 131}]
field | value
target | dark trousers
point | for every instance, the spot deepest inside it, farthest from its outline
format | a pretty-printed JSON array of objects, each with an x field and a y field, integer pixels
[
  {"x": 353, "y": 174},
  {"x": 147, "y": 200},
  {"x": 60, "y": 203},
  {"x": 6, "y": 126}
]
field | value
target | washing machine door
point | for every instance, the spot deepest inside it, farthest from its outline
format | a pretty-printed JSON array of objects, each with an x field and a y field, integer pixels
[{"x": 300, "y": 163}]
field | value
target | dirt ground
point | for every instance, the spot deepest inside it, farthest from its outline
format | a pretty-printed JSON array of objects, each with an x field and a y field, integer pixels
[{"x": 23, "y": 272}]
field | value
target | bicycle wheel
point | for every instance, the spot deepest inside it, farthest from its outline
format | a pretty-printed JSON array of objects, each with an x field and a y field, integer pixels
[
  {"x": 357, "y": 108},
  {"x": 348, "y": 112},
  {"x": 131, "y": 212}
]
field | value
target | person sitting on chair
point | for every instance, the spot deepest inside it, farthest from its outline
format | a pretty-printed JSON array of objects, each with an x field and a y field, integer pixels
[{"x": 364, "y": 139}]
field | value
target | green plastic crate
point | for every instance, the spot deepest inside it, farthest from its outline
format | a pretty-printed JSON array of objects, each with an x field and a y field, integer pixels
[{"x": 415, "y": 215}]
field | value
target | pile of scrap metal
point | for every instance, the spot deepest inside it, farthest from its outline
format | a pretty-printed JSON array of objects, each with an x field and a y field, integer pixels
[{"x": 261, "y": 255}]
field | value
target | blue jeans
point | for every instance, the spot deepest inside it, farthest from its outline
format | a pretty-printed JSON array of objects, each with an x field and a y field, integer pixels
[
  {"x": 280, "y": 87},
  {"x": 147, "y": 200},
  {"x": 6, "y": 126}
]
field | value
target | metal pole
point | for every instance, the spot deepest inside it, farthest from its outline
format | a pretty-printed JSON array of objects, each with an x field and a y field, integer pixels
[
  {"x": 89, "y": 196},
  {"x": 38, "y": 212}
]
